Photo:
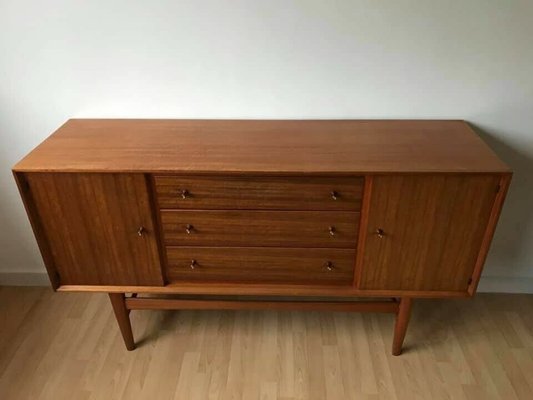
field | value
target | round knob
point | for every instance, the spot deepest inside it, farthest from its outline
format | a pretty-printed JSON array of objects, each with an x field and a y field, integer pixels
[
  {"x": 334, "y": 195},
  {"x": 380, "y": 232},
  {"x": 193, "y": 264},
  {"x": 141, "y": 230},
  {"x": 184, "y": 193},
  {"x": 189, "y": 228},
  {"x": 329, "y": 265},
  {"x": 332, "y": 230}
]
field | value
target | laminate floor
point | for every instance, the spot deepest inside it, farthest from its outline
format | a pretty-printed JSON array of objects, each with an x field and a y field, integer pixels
[{"x": 68, "y": 346}]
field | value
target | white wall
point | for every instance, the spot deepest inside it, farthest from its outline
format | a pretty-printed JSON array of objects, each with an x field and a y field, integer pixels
[{"x": 470, "y": 59}]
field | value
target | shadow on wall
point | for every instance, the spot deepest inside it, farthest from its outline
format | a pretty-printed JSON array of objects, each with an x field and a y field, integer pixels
[{"x": 511, "y": 241}]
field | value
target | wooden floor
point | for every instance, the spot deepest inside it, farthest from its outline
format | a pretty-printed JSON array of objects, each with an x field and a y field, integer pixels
[{"x": 67, "y": 346}]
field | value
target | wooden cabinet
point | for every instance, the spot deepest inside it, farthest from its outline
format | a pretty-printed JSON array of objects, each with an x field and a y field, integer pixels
[{"x": 329, "y": 209}]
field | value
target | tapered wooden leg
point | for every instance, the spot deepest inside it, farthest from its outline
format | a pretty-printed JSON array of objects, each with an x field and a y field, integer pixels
[
  {"x": 402, "y": 320},
  {"x": 123, "y": 319}
]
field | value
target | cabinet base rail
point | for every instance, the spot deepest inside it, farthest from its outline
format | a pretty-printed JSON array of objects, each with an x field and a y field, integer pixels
[{"x": 122, "y": 305}]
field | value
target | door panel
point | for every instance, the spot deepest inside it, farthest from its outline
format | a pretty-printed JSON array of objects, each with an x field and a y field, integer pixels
[
  {"x": 432, "y": 226},
  {"x": 91, "y": 223}
]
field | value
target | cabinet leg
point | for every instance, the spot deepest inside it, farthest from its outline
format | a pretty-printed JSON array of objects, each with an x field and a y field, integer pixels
[
  {"x": 400, "y": 327},
  {"x": 123, "y": 319}
]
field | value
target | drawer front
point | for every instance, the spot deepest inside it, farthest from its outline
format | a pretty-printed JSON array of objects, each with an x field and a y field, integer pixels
[
  {"x": 260, "y": 228},
  {"x": 261, "y": 265},
  {"x": 259, "y": 193}
]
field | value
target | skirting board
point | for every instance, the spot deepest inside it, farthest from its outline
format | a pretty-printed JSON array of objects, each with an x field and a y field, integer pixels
[
  {"x": 487, "y": 284},
  {"x": 496, "y": 284},
  {"x": 24, "y": 279}
]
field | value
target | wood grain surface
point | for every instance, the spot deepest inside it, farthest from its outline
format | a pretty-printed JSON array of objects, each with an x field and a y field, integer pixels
[
  {"x": 38, "y": 228},
  {"x": 122, "y": 317},
  {"x": 400, "y": 326},
  {"x": 263, "y": 146},
  {"x": 260, "y": 265},
  {"x": 235, "y": 228},
  {"x": 91, "y": 223},
  {"x": 158, "y": 303},
  {"x": 262, "y": 289},
  {"x": 64, "y": 346},
  {"x": 497, "y": 206},
  {"x": 432, "y": 226},
  {"x": 259, "y": 192},
  {"x": 430, "y": 185}
]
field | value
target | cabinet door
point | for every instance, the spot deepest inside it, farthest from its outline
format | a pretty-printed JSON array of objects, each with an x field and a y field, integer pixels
[
  {"x": 424, "y": 233},
  {"x": 91, "y": 224}
]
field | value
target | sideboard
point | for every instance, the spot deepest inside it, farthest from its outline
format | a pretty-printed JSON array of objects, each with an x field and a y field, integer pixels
[{"x": 333, "y": 215}]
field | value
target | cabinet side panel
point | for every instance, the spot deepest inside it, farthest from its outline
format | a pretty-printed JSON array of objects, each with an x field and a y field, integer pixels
[
  {"x": 37, "y": 227},
  {"x": 92, "y": 223},
  {"x": 425, "y": 232},
  {"x": 489, "y": 233}
]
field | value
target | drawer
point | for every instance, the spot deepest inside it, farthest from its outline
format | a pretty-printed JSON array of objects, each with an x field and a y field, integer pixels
[
  {"x": 259, "y": 193},
  {"x": 260, "y": 228},
  {"x": 261, "y": 265}
]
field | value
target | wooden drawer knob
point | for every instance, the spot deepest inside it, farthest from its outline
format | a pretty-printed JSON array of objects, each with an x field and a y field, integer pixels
[
  {"x": 380, "y": 232},
  {"x": 194, "y": 264},
  {"x": 185, "y": 193},
  {"x": 141, "y": 230},
  {"x": 329, "y": 265},
  {"x": 332, "y": 231},
  {"x": 334, "y": 195},
  {"x": 189, "y": 228}
]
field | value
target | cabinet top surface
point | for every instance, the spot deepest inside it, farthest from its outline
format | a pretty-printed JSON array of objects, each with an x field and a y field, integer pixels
[{"x": 263, "y": 146}]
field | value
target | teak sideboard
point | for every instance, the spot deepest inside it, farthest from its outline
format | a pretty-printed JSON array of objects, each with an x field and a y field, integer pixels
[{"x": 242, "y": 214}]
